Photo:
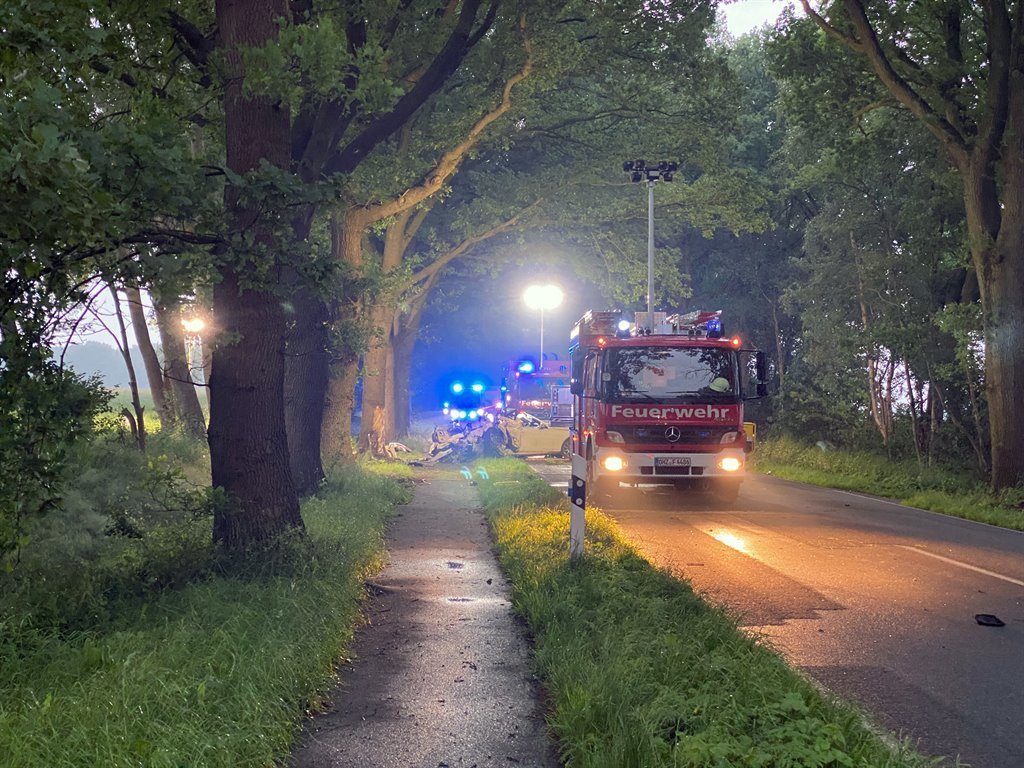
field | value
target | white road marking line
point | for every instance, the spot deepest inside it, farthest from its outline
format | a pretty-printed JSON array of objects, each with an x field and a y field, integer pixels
[{"x": 951, "y": 561}]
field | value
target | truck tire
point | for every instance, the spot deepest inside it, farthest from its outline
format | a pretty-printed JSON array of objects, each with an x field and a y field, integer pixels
[
  {"x": 599, "y": 492},
  {"x": 726, "y": 490}
]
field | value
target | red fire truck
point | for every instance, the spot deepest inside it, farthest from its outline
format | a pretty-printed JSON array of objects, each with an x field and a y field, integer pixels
[{"x": 660, "y": 401}]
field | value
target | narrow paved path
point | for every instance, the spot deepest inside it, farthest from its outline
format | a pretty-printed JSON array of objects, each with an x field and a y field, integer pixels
[{"x": 441, "y": 673}]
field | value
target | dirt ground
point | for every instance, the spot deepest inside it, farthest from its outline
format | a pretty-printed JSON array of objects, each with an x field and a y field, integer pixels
[{"x": 440, "y": 675}]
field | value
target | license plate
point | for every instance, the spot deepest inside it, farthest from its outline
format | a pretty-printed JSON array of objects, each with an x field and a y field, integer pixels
[{"x": 671, "y": 461}]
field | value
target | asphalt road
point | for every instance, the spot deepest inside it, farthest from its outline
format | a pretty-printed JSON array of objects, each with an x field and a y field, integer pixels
[{"x": 874, "y": 600}]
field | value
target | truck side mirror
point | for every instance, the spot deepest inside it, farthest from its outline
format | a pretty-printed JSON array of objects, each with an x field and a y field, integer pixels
[
  {"x": 762, "y": 389},
  {"x": 576, "y": 372},
  {"x": 761, "y": 361}
]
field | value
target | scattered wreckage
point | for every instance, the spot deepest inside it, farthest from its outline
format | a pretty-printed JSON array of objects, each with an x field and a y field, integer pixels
[{"x": 520, "y": 435}]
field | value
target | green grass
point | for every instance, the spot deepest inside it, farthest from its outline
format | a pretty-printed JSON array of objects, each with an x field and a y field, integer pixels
[
  {"x": 939, "y": 489},
  {"x": 217, "y": 673},
  {"x": 640, "y": 671}
]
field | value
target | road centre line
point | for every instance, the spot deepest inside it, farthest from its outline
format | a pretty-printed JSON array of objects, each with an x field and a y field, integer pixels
[{"x": 951, "y": 561}]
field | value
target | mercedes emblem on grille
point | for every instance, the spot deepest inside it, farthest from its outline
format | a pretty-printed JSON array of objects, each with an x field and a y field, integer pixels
[{"x": 672, "y": 434}]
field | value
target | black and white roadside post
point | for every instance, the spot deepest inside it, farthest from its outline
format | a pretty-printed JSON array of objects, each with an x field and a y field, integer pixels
[
  {"x": 638, "y": 171},
  {"x": 578, "y": 498}
]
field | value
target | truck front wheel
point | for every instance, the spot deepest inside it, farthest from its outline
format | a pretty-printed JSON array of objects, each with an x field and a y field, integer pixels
[{"x": 726, "y": 490}]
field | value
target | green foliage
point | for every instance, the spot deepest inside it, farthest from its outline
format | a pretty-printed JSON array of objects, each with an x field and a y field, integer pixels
[
  {"x": 641, "y": 672},
  {"x": 214, "y": 673},
  {"x": 44, "y": 411},
  {"x": 128, "y": 526}
]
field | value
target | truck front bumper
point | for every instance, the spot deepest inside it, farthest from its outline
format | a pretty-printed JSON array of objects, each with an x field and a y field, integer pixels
[{"x": 657, "y": 468}]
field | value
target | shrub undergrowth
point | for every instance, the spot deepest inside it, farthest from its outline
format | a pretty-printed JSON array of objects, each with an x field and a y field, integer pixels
[
  {"x": 641, "y": 672},
  {"x": 937, "y": 488},
  {"x": 155, "y": 654}
]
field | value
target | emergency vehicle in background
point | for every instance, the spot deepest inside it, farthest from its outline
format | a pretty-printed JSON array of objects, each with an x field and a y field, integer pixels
[
  {"x": 538, "y": 405},
  {"x": 660, "y": 401},
  {"x": 528, "y": 386}
]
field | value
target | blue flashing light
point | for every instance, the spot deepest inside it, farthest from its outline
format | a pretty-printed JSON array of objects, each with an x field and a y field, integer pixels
[
  {"x": 477, "y": 387},
  {"x": 714, "y": 328},
  {"x": 473, "y": 414},
  {"x": 457, "y": 387},
  {"x": 526, "y": 367}
]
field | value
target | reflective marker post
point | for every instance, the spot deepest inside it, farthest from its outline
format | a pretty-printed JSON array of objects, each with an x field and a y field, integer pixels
[{"x": 578, "y": 497}]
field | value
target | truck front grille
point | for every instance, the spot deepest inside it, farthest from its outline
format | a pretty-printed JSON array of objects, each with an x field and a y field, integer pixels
[
  {"x": 647, "y": 435},
  {"x": 671, "y": 471}
]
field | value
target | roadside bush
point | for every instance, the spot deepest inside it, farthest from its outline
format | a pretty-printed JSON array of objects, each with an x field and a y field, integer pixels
[
  {"x": 128, "y": 525},
  {"x": 218, "y": 673},
  {"x": 44, "y": 412}
]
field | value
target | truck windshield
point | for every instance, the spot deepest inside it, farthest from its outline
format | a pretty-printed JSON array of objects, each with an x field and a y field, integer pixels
[{"x": 661, "y": 374}]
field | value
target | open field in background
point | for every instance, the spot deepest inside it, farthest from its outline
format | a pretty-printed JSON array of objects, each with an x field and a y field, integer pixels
[
  {"x": 939, "y": 489},
  {"x": 641, "y": 673}
]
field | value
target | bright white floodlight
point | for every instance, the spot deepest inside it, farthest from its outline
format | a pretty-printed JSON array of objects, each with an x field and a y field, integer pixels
[{"x": 543, "y": 297}]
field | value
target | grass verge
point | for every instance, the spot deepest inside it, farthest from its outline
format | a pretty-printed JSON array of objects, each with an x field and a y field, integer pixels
[
  {"x": 218, "y": 673},
  {"x": 933, "y": 488},
  {"x": 641, "y": 672}
]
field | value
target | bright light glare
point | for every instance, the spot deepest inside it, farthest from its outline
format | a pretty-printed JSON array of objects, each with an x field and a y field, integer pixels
[
  {"x": 730, "y": 464},
  {"x": 477, "y": 387},
  {"x": 193, "y": 324},
  {"x": 457, "y": 387},
  {"x": 543, "y": 296},
  {"x": 730, "y": 540},
  {"x": 613, "y": 463}
]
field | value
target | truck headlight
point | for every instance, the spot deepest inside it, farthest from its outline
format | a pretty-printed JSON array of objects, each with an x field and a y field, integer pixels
[
  {"x": 614, "y": 437},
  {"x": 729, "y": 464},
  {"x": 728, "y": 437},
  {"x": 614, "y": 463}
]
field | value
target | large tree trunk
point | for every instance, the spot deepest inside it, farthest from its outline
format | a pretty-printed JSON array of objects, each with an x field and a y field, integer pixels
[
  {"x": 996, "y": 236},
  {"x": 248, "y": 439},
  {"x": 306, "y": 373},
  {"x": 403, "y": 345},
  {"x": 154, "y": 373},
  {"x": 176, "y": 370},
  {"x": 306, "y": 380},
  {"x": 336, "y": 437},
  {"x": 378, "y": 374},
  {"x": 339, "y": 405},
  {"x": 1003, "y": 285}
]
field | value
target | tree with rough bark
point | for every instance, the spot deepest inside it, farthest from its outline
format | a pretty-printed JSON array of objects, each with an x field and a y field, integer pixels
[
  {"x": 248, "y": 443},
  {"x": 958, "y": 67}
]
